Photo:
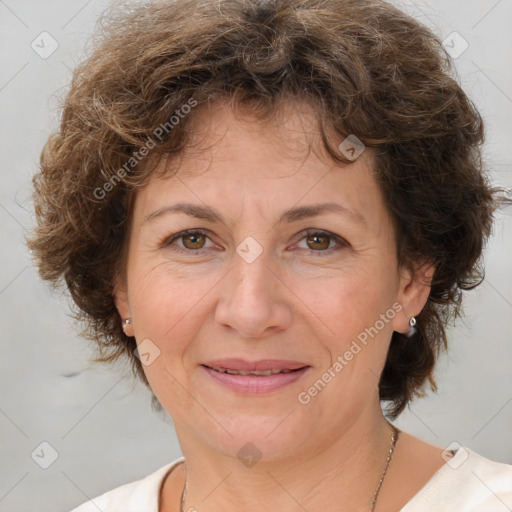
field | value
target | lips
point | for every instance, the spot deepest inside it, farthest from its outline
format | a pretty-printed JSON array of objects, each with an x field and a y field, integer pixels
[
  {"x": 261, "y": 373},
  {"x": 236, "y": 366},
  {"x": 256, "y": 382}
]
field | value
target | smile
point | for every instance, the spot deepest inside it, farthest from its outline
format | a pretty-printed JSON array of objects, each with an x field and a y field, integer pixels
[
  {"x": 255, "y": 381},
  {"x": 255, "y": 372}
]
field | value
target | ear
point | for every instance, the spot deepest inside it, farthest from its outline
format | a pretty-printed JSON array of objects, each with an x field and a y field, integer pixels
[
  {"x": 413, "y": 293},
  {"x": 122, "y": 304}
]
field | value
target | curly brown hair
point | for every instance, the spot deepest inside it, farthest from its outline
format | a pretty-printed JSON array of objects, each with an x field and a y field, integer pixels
[{"x": 367, "y": 69}]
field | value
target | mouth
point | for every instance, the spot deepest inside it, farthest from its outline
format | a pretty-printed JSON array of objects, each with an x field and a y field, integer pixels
[
  {"x": 241, "y": 365},
  {"x": 251, "y": 382},
  {"x": 258, "y": 373}
]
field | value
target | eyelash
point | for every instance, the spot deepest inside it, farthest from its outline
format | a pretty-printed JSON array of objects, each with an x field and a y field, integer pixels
[{"x": 308, "y": 232}]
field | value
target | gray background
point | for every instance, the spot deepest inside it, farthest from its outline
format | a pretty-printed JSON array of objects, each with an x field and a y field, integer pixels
[{"x": 97, "y": 419}]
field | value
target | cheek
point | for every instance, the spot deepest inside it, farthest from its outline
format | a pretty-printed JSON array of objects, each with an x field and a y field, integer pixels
[
  {"x": 351, "y": 317},
  {"x": 166, "y": 305},
  {"x": 347, "y": 301},
  {"x": 166, "y": 310}
]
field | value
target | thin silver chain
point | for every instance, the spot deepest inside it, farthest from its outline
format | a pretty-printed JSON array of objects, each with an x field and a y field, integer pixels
[{"x": 394, "y": 439}]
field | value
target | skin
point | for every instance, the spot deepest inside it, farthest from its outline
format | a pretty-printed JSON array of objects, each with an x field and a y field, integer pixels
[{"x": 303, "y": 298}]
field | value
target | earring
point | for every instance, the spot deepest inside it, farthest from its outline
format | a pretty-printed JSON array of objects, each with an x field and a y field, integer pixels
[
  {"x": 412, "y": 327},
  {"x": 126, "y": 323}
]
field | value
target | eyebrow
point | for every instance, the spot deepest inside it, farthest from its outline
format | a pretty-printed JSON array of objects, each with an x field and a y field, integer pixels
[{"x": 292, "y": 215}]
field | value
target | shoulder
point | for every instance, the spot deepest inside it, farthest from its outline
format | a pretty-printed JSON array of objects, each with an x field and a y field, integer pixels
[
  {"x": 467, "y": 482},
  {"x": 139, "y": 495}
]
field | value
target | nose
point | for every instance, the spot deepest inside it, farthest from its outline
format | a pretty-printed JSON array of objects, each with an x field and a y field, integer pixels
[{"x": 253, "y": 299}]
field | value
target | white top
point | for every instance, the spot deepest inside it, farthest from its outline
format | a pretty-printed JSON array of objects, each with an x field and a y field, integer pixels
[{"x": 468, "y": 482}]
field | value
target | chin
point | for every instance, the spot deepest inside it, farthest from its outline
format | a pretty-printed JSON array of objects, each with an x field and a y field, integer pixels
[{"x": 255, "y": 437}]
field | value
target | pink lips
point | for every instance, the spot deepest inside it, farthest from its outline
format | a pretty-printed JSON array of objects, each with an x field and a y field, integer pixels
[
  {"x": 248, "y": 366},
  {"x": 251, "y": 384}
]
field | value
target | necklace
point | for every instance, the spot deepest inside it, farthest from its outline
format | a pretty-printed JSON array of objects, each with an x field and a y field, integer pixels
[{"x": 394, "y": 439}]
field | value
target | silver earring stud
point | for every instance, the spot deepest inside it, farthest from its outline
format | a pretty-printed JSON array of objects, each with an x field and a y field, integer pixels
[
  {"x": 126, "y": 323},
  {"x": 412, "y": 327}
]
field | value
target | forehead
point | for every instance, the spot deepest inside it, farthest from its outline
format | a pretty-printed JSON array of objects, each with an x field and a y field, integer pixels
[{"x": 237, "y": 162}]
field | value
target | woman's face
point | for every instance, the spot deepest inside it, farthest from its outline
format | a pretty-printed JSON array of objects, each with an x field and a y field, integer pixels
[{"x": 262, "y": 278}]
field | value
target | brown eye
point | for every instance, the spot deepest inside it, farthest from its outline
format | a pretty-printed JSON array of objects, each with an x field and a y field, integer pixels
[
  {"x": 318, "y": 241},
  {"x": 190, "y": 241},
  {"x": 322, "y": 243},
  {"x": 194, "y": 240}
]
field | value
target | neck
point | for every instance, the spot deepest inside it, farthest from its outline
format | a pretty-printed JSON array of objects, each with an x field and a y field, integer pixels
[{"x": 347, "y": 470}]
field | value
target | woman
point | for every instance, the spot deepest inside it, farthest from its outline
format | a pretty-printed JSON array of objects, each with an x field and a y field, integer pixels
[{"x": 272, "y": 208}]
